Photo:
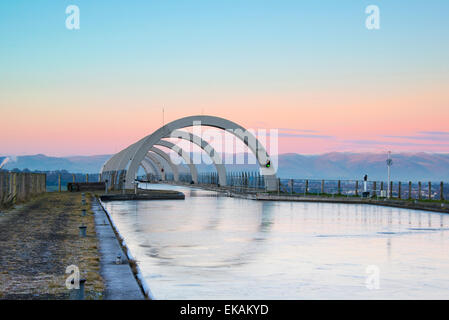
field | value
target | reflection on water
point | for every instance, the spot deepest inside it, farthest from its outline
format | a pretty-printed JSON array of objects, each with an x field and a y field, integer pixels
[{"x": 209, "y": 246}]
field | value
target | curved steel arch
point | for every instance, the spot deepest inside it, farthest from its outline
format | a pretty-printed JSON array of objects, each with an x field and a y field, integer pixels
[
  {"x": 210, "y": 151},
  {"x": 147, "y": 168},
  {"x": 149, "y": 165},
  {"x": 130, "y": 159},
  {"x": 184, "y": 154},
  {"x": 166, "y": 157},
  {"x": 120, "y": 160},
  {"x": 152, "y": 157}
]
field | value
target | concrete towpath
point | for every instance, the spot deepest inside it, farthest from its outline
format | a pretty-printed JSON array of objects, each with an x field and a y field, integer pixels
[{"x": 120, "y": 283}]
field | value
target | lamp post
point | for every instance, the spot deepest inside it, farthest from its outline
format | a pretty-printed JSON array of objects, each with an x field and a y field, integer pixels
[{"x": 389, "y": 164}]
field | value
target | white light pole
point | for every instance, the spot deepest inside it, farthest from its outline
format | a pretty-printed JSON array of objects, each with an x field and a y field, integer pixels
[{"x": 389, "y": 164}]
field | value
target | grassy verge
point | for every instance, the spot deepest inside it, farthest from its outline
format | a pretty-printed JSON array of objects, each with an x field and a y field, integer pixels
[{"x": 39, "y": 240}]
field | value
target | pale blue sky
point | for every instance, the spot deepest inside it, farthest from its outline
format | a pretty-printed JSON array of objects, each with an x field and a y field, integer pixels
[{"x": 275, "y": 60}]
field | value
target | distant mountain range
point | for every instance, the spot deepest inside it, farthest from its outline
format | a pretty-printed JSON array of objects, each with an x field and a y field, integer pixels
[
  {"x": 76, "y": 164},
  {"x": 335, "y": 165},
  {"x": 342, "y": 165}
]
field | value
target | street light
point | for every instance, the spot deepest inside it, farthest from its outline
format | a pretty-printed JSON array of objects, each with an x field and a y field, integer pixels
[{"x": 389, "y": 164}]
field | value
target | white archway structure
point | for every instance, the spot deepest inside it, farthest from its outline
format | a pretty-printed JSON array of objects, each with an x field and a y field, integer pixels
[
  {"x": 148, "y": 166},
  {"x": 150, "y": 157},
  {"x": 129, "y": 159},
  {"x": 184, "y": 154},
  {"x": 210, "y": 151},
  {"x": 166, "y": 158},
  {"x": 119, "y": 160}
]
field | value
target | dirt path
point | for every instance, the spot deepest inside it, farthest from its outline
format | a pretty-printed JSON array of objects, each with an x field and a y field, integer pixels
[{"x": 38, "y": 240}]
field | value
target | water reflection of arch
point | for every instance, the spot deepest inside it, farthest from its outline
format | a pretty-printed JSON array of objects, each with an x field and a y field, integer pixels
[{"x": 247, "y": 241}]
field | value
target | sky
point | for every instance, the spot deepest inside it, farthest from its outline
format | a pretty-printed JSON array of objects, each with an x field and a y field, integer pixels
[{"x": 310, "y": 69}]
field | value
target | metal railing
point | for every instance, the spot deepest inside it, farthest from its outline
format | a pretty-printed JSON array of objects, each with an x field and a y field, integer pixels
[
  {"x": 397, "y": 189},
  {"x": 254, "y": 182}
]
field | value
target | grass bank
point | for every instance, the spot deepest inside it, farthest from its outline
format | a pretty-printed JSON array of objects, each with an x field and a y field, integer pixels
[{"x": 39, "y": 239}]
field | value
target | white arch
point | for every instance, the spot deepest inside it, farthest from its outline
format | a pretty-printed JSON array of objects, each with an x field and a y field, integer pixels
[
  {"x": 166, "y": 157},
  {"x": 132, "y": 156},
  {"x": 148, "y": 166},
  {"x": 210, "y": 151},
  {"x": 120, "y": 160},
  {"x": 147, "y": 169},
  {"x": 182, "y": 153},
  {"x": 155, "y": 160}
]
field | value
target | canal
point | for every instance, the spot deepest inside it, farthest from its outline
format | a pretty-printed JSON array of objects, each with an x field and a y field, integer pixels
[{"x": 210, "y": 246}]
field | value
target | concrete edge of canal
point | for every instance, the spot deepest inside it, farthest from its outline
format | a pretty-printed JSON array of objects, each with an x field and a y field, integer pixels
[
  {"x": 385, "y": 203},
  {"x": 122, "y": 276}
]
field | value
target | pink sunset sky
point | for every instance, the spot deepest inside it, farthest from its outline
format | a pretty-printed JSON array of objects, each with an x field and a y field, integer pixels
[
  {"x": 326, "y": 85},
  {"x": 308, "y": 123}
]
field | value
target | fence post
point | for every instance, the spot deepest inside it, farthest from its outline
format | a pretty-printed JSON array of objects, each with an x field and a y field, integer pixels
[
  {"x": 8, "y": 181},
  {"x": 410, "y": 190},
  {"x": 23, "y": 187},
  {"x": 339, "y": 188},
  {"x": 19, "y": 186},
  {"x": 419, "y": 190},
  {"x": 14, "y": 187},
  {"x": 291, "y": 186},
  {"x": 279, "y": 186},
  {"x": 357, "y": 188},
  {"x": 59, "y": 182},
  {"x": 374, "y": 188},
  {"x": 441, "y": 191},
  {"x": 430, "y": 190},
  {"x": 1, "y": 187},
  {"x": 399, "y": 189},
  {"x": 73, "y": 177},
  {"x": 391, "y": 189},
  {"x": 307, "y": 186},
  {"x": 322, "y": 187}
]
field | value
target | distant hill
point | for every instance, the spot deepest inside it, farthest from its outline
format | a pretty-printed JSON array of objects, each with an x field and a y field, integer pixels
[
  {"x": 335, "y": 165},
  {"x": 81, "y": 164},
  {"x": 339, "y": 165}
]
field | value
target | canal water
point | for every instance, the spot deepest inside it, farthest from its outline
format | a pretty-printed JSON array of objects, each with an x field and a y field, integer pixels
[{"x": 210, "y": 246}]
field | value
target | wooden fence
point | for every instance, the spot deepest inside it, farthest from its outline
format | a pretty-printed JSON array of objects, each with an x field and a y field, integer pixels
[{"x": 20, "y": 186}]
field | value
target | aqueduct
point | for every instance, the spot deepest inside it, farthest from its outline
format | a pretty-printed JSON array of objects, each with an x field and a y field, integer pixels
[{"x": 122, "y": 168}]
